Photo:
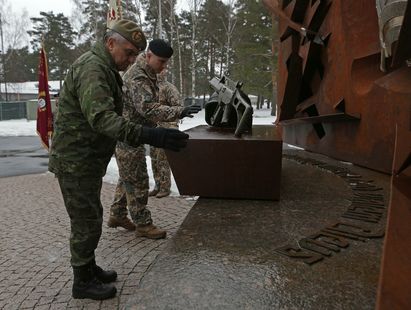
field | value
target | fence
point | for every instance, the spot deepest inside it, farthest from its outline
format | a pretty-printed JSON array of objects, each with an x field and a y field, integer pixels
[{"x": 13, "y": 110}]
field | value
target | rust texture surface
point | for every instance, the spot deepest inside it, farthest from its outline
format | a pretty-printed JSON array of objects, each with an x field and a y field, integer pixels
[
  {"x": 395, "y": 291},
  {"x": 330, "y": 70},
  {"x": 217, "y": 164}
]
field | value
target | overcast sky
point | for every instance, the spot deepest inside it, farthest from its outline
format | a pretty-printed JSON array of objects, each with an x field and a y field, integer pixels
[
  {"x": 35, "y": 6},
  {"x": 57, "y": 6}
]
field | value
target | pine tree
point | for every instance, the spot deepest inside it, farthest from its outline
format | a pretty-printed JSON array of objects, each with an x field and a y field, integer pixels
[
  {"x": 95, "y": 21},
  {"x": 211, "y": 34},
  {"x": 253, "y": 58},
  {"x": 58, "y": 37},
  {"x": 95, "y": 18},
  {"x": 26, "y": 70}
]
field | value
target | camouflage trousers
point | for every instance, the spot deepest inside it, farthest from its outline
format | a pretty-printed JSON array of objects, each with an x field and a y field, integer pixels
[
  {"x": 82, "y": 200},
  {"x": 161, "y": 169},
  {"x": 132, "y": 187}
]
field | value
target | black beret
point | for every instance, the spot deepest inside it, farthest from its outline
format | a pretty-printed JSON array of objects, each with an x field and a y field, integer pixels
[{"x": 160, "y": 48}]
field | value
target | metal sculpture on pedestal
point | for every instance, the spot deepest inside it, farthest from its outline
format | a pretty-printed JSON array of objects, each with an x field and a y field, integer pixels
[
  {"x": 229, "y": 106},
  {"x": 230, "y": 158}
]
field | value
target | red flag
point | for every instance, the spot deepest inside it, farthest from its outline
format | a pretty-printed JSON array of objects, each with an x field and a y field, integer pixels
[{"x": 44, "y": 114}]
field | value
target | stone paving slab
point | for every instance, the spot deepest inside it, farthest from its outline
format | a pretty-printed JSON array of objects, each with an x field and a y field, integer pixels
[{"x": 34, "y": 263}]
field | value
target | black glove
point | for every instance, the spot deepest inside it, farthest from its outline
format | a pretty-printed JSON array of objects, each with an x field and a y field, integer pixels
[
  {"x": 166, "y": 138},
  {"x": 188, "y": 111}
]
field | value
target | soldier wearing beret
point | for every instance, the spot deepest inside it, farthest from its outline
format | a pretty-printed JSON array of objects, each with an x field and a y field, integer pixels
[
  {"x": 141, "y": 102},
  {"x": 89, "y": 123}
]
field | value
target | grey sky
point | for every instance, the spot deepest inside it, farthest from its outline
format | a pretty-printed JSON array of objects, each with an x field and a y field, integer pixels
[
  {"x": 35, "y": 6},
  {"x": 59, "y": 6}
]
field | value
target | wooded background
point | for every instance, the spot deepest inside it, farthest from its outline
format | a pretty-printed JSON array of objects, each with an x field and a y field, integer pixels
[{"x": 210, "y": 38}]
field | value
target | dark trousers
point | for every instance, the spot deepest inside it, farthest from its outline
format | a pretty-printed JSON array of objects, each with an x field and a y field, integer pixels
[{"x": 82, "y": 200}]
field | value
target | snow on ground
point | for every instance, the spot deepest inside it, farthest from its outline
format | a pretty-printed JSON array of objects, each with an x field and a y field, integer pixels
[
  {"x": 28, "y": 128},
  {"x": 18, "y": 127}
]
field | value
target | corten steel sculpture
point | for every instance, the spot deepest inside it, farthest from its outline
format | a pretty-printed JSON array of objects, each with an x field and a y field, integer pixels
[
  {"x": 333, "y": 97},
  {"x": 394, "y": 287},
  {"x": 343, "y": 89}
]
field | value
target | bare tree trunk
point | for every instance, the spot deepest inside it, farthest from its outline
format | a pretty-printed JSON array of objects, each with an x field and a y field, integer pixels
[
  {"x": 137, "y": 4},
  {"x": 160, "y": 22},
  {"x": 212, "y": 59},
  {"x": 208, "y": 60},
  {"x": 193, "y": 50},
  {"x": 229, "y": 28},
  {"x": 173, "y": 78},
  {"x": 180, "y": 65}
]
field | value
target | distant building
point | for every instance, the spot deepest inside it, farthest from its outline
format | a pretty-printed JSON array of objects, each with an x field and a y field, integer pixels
[{"x": 26, "y": 90}]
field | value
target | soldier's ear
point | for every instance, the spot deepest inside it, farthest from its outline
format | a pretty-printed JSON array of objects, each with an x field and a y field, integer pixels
[{"x": 110, "y": 43}]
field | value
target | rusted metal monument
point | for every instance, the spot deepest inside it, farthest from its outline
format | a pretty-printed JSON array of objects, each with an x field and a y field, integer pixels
[{"x": 344, "y": 90}]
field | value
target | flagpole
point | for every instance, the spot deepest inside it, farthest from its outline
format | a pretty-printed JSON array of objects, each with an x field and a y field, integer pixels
[
  {"x": 3, "y": 58},
  {"x": 120, "y": 9}
]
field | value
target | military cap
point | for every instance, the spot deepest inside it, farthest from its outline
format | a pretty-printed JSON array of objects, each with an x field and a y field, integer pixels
[
  {"x": 160, "y": 48},
  {"x": 130, "y": 31}
]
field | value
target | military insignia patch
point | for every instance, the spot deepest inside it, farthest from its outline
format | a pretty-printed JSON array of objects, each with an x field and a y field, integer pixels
[{"x": 136, "y": 36}]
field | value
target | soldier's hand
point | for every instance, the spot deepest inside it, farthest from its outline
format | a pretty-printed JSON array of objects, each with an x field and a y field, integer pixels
[
  {"x": 190, "y": 110},
  {"x": 167, "y": 138}
]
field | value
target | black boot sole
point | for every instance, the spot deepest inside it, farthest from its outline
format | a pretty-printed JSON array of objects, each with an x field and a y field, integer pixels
[
  {"x": 86, "y": 295},
  {"x": 107, "y": 280}
]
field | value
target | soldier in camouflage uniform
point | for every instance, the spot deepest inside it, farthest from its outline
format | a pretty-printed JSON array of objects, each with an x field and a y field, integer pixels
[
  {"x": 141, "y": 102},
  {"x": 168, "y": 95},
  {"x": 88, "y": 125}
]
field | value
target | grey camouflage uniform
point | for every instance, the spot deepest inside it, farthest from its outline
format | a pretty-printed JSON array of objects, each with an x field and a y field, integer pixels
[
  {"x": 170, "y": 96},
  {"x": 142, "y": 105}
]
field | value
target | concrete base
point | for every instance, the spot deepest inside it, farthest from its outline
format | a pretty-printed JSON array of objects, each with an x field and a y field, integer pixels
[
  {"x": 217, "y": 164},
  {"x": 229, "y": 254}
]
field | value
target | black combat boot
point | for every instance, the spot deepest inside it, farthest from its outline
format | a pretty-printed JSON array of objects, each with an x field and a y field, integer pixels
[
  {"x": 105, "y": 276},
  {"x": 86, "y": 284}
]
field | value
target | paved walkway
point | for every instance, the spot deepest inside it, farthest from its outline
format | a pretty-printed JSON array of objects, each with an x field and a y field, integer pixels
[{"x": 34, "y": 261}]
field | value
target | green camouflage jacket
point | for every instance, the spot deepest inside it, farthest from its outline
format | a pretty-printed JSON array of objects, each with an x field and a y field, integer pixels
[{"x": 89, "y": 118}]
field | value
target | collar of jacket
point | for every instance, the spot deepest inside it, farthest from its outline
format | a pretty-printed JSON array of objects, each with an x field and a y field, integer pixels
[
  {"x": 100, "y": 50},
  {"x": 142, "y": 63}
]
